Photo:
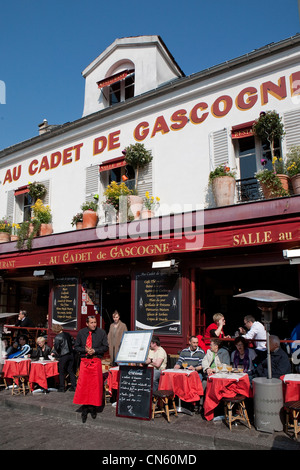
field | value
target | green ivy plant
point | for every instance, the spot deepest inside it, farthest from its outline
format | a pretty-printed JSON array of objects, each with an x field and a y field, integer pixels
[
  {"x": 272, "y": 182},
  {"x": 25, "y": 235},
  {"x": 37, "y": 190}
]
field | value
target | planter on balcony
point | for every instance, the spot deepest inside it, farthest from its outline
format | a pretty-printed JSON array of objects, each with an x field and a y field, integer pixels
[
  {"x": 296, "y": 183},
  {"x": 224, "y": 190}
]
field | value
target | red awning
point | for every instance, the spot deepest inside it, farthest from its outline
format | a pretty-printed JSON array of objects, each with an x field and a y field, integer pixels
[
  {"x": 242, "y": 130},
  {"x": 112, "y": 164},
  {"x": 22, "y": 190},
  {"x": 114, "y": 78}
]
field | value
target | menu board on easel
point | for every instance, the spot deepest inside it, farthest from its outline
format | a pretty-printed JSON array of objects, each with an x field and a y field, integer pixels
[
  {"x": 135, "y": 392},
  {"x": 158, "y": 302},
  {"x": 64, "y": 302}
]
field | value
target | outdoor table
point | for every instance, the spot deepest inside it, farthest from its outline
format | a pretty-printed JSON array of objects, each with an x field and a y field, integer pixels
[
  {"x": 186, "y": 384},
  {"x": 291, "y": 387},
  {"x": 40, "y": 371},
  {"x": 17, "y": 366},
  {"x": 221, "y": 385},
  {"x": 112, "y": 379}
]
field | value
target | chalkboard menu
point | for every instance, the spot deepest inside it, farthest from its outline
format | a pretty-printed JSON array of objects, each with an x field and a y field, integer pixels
[
  {"x": 158, "y": 302},
  {"x": 135, "y": 392},
  {"x": 64, "y": 302}
]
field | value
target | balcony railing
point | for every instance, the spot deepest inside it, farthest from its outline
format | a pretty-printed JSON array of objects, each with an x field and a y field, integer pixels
[{"x": 248, "y": 190}]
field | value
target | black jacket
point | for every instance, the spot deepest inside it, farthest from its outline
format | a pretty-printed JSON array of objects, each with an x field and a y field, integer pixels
[
  {"x": 99, "y": 342},
  {"x": 36, "y": 354},
  {"x": 280, "y": 365},
  {"x": 63, "y": 344}
]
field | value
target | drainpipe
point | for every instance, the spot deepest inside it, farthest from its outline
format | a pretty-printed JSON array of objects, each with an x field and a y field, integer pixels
[{"x": 193, "y": 302}]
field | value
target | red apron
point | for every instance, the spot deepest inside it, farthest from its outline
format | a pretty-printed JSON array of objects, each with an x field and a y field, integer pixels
[{"x": 89, "y": 389}]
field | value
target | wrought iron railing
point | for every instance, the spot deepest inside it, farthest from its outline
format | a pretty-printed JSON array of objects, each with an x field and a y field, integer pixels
[{"x": 248, "y": 189}]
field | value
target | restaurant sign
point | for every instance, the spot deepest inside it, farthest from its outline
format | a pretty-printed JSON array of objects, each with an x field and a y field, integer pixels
[{"x": 208, "y": 239}]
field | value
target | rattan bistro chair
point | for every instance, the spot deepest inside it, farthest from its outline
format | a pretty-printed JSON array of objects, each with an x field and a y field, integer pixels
[
  {"x": 161, "y": 399},
  {"x": 242, "y": 414},
  {"x": 292, "y": 408},
  {"x": 20, "y": 385}
]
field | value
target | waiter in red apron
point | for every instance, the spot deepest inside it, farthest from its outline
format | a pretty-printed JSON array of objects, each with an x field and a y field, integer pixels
[{"x": 91, "y": 343}]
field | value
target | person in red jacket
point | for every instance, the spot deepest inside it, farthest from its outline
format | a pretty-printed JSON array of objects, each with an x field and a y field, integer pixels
[{"x": 215, "y": 329}]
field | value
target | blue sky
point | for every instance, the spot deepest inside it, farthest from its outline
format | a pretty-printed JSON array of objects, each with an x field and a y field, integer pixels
[{"x": 44, "y": 46}]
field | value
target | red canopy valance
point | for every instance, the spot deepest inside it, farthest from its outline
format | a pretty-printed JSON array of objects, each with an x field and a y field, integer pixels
[
  {"x": 112, "y": 164},
  {"x": 114, "y": 78},
  {"x": 242, "y": 130}
]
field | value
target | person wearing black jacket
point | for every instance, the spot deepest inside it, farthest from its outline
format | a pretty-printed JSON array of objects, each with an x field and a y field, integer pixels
[
  {"x": 63, "y": 350},
  {"x": 280, "y": 362},
  {"x": 91, "y": 343}
]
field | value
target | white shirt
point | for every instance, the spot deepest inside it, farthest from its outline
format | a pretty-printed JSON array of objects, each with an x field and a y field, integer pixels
[{"x": 257, "y": 331}]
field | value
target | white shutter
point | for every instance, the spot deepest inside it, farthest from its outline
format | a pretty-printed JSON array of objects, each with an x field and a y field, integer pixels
[
  {"x": 220, "y": 148},
  {"x": 145, "y": 180},
  {"x": 91, "y": 182},
  {"x": 46, "y": 199},
  {"x": 291, "y": 121},
  {"x": 10, "y": 205}
]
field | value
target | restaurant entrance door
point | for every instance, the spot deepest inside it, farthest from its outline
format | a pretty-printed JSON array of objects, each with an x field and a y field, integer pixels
[{"x": 116, "y": 295}]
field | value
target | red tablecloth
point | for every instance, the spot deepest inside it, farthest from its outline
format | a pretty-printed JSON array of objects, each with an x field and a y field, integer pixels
[
  {"x": 185, "y": 384},
  {"x": 16, "y": 367},
  {"x": 40, "y": 371},
  {"x": 112, "y": 379},
  {"x": 219, "y": 386},
  {"x": 291, "y": 387}
]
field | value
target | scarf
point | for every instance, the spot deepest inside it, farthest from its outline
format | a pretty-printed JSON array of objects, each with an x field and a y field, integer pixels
[{"x": 236, "y": 359}]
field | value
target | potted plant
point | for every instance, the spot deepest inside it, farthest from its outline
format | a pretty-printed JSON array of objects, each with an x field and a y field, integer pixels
[
  {"x": 112, "y": 195},
  {"x": 150, "y": 204},
  {"x": 42, "y": 213},
  {"x": 269, "y": 127},
  {"x": 37, "y": 190},
  {"x": 281, "y": 172},
  {"x": 77, "y": 220},
  {"x": 293, "y": 167},
  {"x": 223, "y": 184},
  {"x": 89, "y": 212},
  {"x": 270, "y": 184},
  {"x": 26, "y": 232},
  {"x": 137, "y": 156},
  {"x": 5, "y": 230}
]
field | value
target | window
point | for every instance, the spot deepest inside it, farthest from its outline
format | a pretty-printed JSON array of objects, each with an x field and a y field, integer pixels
[{"x": 121, "y": 90}]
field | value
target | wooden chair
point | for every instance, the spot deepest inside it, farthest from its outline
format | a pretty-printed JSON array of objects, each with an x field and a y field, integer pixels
[
  {"x": 161, "y": 398},
  {"x": 20, "y": 385},
  {"x": 292, "y": 407},
  {"x": 242, "y": 414}
]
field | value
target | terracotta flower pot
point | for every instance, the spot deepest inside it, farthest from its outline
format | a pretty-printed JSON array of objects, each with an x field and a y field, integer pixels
[
  {"x": 89, "y": 219},
  {"x": 4, "y": 237},
  {"x": 79, "y": 225},
  {"x": 284, "y": 181},
  {"x": 224, "y": 190},
  {"x": 267, "y": 191},
  {"x": 296, "y": 183},
  {"x": 136, "y": 204},
  {"x": 46, "y": 229},
  {"x": 147, "y": 214}
]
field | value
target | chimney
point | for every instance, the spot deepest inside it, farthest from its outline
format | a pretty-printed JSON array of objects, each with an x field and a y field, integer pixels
[{"x": 43, "y": 127}]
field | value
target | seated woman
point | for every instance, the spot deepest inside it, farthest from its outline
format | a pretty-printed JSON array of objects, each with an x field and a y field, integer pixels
[
  {"x": 42, "y": 350},
  {"x": 243, "y": 356},
  {"x": 214, "y": 330},
  {"x": 215, "y": 356}
]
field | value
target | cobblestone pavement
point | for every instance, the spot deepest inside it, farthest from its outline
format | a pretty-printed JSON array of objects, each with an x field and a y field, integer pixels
[{"x": 26, "y": 431}]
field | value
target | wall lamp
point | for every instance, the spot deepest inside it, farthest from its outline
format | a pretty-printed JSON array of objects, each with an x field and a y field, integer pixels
[
  {"x": 171, "y": 263},
  {"x": 292, "y": 255},
  {"x": 43, "y": 274}
]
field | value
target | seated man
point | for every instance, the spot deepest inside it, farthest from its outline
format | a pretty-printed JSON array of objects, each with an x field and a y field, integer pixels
[
  {"x": 215, "y": 356},
  {"x": 280, "y": 363},
  {"x": 18, "y": 349},
  {"x": 157, "y": 358},
  {"x": 192, "y": 356}
]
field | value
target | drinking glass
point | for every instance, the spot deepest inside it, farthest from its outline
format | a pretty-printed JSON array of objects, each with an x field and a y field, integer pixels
[
  {"x": 184, "y": 365},
  {"x": 229, "y": 368}
]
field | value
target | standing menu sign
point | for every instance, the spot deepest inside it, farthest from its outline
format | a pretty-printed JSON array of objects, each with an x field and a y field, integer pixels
[
  {"x": 64, "y": 302},
  {"x": 158, "y": 302},
  {"x": 135, "y": 392}
]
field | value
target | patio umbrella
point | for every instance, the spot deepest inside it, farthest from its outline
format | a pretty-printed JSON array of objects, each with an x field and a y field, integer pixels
[{"x": 267, "y": 301}]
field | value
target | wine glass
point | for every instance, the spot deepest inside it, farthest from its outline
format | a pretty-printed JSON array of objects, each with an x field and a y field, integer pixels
[
  {"x": 229, "y": 368},
  {"x": 220, "y": 367},
  {"x": 184, "y": 365}
]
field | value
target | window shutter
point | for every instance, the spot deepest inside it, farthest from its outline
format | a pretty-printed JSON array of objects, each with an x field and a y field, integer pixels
[
  {"x": 220, "y": 148},
  {"x": 91, "y": 182},
  {"x": 46, "y": 199},
  {"x": 10, "y": 205},
  {"x": 145, "y": 180},
  {"x": 291, "y": 121}
]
